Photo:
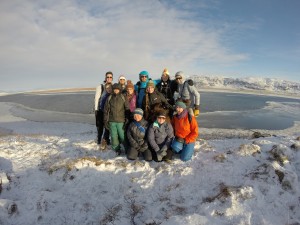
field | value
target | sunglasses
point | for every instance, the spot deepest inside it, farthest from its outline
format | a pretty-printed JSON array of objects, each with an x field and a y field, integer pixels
[
  {"x": 143, "y": 76},
  {"x": 122, "y": 79},
  {"x": 108, "y": 77},
  {"x": 178, "y": 78}
]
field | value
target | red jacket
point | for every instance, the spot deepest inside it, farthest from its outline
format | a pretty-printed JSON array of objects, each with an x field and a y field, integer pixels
[{"x": 185, "y": 129}]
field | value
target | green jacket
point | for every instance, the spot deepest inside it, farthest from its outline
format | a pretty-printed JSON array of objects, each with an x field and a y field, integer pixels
[{"x": 116, "y": 109}]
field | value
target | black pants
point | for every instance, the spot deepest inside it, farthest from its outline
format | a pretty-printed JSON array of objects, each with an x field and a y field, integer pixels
[
  {"x": 133, "y": 153},
  {"x": 100, "y": 127}
]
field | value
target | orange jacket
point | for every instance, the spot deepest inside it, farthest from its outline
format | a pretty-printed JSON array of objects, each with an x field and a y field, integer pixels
[{"x": 185, "y": 129}]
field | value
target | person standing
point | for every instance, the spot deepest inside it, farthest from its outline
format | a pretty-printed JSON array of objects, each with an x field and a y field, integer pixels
[
  {"x": 167, "y": 87},
  {"x": 116, "y": 115},
  {"x": 122, "y": 83},
  {"x": 141, "y": 85},
  {"x": 186, "y": 132},
  {"x": 153, "y": 101},
  {"x": 188, "y": 93},
  {"x": 100, "y": 91},
  {"x": 131, "y": 95}
]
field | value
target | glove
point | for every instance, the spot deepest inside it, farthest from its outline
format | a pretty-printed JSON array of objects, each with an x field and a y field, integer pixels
[
  {"x": 196, "y": 112},
  {"x": 141, "y": 142},
  {"x": 179, "y": 139},
  {"x": 144, "y": 147},
  {"x": 160, "y": 154}
]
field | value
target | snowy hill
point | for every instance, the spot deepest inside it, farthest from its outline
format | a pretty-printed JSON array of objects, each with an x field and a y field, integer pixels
[{"x": 268, "y": 85}]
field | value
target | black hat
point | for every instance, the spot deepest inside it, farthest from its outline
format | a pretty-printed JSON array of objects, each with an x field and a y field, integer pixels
[{"x": 116, "y": 86}]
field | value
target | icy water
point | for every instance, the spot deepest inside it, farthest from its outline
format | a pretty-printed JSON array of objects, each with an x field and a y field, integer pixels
[{"x": 218, "y": 110}]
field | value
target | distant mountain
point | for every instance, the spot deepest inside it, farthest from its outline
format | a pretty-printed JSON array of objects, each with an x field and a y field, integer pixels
[{"x": 262, "y": 85}]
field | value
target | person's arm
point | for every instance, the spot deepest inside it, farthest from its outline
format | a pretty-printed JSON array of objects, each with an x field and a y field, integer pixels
[
  {"x": 192, "y": 136},
  {"x": 151, "y": 138}
]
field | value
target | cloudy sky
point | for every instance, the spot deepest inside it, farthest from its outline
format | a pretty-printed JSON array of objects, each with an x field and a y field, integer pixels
[{"x": 64, "y": 43}]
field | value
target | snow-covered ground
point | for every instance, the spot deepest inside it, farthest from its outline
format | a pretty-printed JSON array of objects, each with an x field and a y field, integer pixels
[{"x": 54, "y": 173}]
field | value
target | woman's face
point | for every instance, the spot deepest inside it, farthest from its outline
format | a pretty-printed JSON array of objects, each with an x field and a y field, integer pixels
[
  {"x": 164, "y": 77},
  {"x": 161, "y": 119},
  {"x": 150, "y": 89},
  {"x": 116, "y": 91},
  {"x": 137, "y": 117},
  {"x": 179, "y": 109},
  {"x": 130, "y": 91}
]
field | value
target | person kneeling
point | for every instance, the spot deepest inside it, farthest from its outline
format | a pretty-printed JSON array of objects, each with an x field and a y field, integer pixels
[
  {"x": 136, "y": 133},
  {"x": 186, "y": 132},
  {"x": 160, "y": 135}
]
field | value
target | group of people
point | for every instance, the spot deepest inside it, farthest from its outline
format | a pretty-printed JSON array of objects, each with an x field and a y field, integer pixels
[{"x": 153, "y": 118}]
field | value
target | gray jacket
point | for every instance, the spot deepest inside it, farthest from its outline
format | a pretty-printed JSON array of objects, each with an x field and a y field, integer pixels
[
  {"x": 187, "y": 90},
  {"x": 160, "y": 136}
]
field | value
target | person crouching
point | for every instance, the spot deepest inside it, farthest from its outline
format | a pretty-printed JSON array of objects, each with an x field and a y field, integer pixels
[
  {"x": 160, "y": 135},
  {"x": 186, "y": 132},
  {"x": 136, "y": 135}
]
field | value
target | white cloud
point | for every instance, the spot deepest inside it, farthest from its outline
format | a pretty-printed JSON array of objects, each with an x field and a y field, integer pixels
[{"x": 65, "y": 37}]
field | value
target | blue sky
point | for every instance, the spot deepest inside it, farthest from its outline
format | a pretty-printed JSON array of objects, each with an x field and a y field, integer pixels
[{"x": 60, "y": 44}]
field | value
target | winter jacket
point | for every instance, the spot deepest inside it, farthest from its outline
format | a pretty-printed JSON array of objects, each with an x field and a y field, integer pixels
[
  {"x": 160, "y": 136},
  {"x": 132, "y": 101},
  {"x": 167, "y": 88},
  {"x": 188, "y": 92},
  {"x": 116, "y": 109},
  {"x": 99, "y": 89},
  {"x": 185, "y": 129},
  {"x": 135, "y": 136},
  {"x": 150, "y": 100},
  {"x": 140, "y": 88}
]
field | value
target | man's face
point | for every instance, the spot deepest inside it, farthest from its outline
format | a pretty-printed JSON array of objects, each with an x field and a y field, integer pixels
[
  {"x": 179, "y": 80},
  {"x": 143, "y": 78},
  {"x": 109, "y": 78}
]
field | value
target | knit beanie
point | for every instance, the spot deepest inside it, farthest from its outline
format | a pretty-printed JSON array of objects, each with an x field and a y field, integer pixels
[
  {"x": 122, "y": 77},
  {"x": 150, "y": 84},
  {"x": 166, "y": 72},
  {"x": 179, "y": 74},
  {"x": 144, "y": 73},
  {"x": 116, "y": 86},
  {"x": 129, "y": 84},
  {"x": 162, "y": 114},
  {"x": 138, "y": 111},
  {"x": 180, "y": 104}
]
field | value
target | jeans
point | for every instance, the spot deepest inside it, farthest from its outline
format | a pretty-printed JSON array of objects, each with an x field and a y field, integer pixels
[{"x": 186, "y": 151}]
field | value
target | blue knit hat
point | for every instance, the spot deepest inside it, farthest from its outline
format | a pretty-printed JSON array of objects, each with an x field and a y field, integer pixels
[
  {"x": 180, "y": 104},
  {"x": 144, "y": 73},
  {"x": 138, "y": 111}
]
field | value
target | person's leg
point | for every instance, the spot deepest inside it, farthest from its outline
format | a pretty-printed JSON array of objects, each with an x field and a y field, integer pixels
[
  {"x": 115, "y": 144},
  {"x": 132, "y": 153},
  {"x": 168, "y": 156},
  {"x": 187, "y": 151},
  {"x": 147, "y": 155},
  {"x": 99, "y": 124}
]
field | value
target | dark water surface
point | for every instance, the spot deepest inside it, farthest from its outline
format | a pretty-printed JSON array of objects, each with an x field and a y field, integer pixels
[{"x": 218, "y": 110}]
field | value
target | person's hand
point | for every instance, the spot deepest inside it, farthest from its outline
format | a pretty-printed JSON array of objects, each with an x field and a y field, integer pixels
[
  {"x": 196, "y": 112},
  {"x": 179, "y": 139}
]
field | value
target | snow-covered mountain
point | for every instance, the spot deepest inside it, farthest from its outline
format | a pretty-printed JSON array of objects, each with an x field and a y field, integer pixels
[{"x": 251, "y": 84}]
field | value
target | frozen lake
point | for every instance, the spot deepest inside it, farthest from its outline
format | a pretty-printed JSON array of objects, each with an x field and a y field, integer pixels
[{"x": 218, "y": 110}]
